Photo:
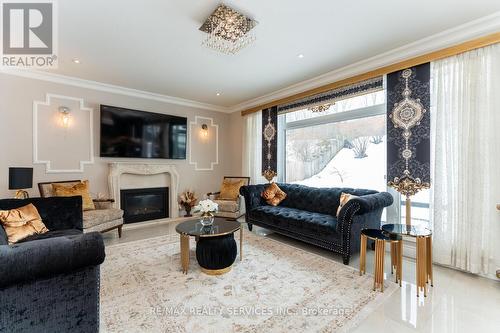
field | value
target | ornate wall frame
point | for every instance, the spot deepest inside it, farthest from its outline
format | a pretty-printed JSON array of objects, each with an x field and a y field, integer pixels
[
  {"x": 48, "y": 163},
  {"x": 192, "y": 130}
]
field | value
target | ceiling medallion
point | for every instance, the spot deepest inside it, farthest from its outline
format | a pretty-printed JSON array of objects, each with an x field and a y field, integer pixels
[
  {"x": 320, "y": 108},
  {"x": 228, "y": 30}
]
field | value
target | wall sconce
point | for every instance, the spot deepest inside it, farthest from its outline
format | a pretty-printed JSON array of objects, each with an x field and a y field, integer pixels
[
  {"x": 65, "y": 116},
  {"x": 204, "y": 131}
]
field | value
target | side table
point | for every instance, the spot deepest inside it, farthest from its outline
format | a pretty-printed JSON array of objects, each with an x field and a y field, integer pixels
[
  {"x": 423, "y": 237},
  {"x": 380, "y": 237}
]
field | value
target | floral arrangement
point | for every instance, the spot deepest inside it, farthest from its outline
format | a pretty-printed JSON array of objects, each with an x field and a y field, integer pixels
[
  {"x": 188, "y": 200},
  {"x": 206, "y": 207}
]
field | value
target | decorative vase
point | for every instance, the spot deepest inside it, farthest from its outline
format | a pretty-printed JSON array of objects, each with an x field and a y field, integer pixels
[
  {"x": 207, "y": 219},
  {"x": 187, "y": 208}
]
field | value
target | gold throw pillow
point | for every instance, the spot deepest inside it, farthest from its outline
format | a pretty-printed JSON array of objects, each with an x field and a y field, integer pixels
[
  {"x": 230, "y": 190},
  {"x": 81, "y": 189},
  {"x": 344, "y": 198},
  {"x": 273, "y": 195},
  {"x": 21, "y": 222}
]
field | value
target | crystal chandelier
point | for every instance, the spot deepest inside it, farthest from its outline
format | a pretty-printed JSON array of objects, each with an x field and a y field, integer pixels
[{"x": 228, "y": 31}]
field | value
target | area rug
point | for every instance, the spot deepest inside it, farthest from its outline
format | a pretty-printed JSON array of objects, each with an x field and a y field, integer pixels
[{"x": 276, "y": 288}]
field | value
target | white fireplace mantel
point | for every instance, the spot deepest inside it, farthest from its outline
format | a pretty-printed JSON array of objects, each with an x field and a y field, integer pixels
[{"x": 116, "y": 170}]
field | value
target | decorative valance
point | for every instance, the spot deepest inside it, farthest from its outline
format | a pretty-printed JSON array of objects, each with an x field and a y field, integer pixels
[
  {"x": 408, "y": 129},
  {"x": 270, "y": 142},
  {"x": 331, "y": 96}
]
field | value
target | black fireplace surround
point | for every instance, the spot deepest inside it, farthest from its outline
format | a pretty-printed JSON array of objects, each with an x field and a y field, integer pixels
[{"x": 144, "y": 204}]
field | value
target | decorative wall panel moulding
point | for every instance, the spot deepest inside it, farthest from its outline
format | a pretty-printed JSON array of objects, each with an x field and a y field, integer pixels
[
  {"x": 196, "y": 145},
  {"x": 53, "y": 144}
]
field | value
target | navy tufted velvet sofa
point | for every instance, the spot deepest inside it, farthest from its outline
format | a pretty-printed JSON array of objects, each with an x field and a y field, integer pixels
[
  {"x": 309, "y": 214},
  {"x": 50, "y": 282}
]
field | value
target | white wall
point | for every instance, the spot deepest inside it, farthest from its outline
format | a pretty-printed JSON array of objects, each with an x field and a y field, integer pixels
[
  {"x": 236, "y": 133},
  {"x": 16, "y": 136}
]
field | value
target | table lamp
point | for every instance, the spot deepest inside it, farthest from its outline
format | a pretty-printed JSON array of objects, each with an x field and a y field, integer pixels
[{"x": 20, "y": 179}]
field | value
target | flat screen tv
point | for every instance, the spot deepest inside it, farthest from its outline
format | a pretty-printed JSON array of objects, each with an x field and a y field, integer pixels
[{"x": 140, "y": 134}]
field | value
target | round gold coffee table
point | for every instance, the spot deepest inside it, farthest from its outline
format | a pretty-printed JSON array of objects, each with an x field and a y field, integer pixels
[{"x": 215, "y": 245}]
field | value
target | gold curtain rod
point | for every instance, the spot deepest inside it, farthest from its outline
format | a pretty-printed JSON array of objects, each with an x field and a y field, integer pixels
[{"x": 428, "y": 57}]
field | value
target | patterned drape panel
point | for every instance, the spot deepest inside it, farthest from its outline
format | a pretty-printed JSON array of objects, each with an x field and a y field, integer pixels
[
  {"x": 269, "y": 142},
  {"x": 408, "y": 129}
]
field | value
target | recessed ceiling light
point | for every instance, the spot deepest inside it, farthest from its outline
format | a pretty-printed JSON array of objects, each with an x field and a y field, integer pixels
[
  {"x": 76, "y": 61},
  {"x": 300, "y": 56},
  {"x": 218, "y": 94}
]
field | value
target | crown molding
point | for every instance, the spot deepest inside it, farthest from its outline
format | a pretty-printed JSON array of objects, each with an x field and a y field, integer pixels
[
  {"x": 99, "y": 86},
  {"x": 461, "y": 33},
  {"x": 473, "y": 29}
]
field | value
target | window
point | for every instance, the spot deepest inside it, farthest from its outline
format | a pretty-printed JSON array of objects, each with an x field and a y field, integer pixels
[
  {"x": 344, "y": 146},
  {"x": 341, "y": 147}
]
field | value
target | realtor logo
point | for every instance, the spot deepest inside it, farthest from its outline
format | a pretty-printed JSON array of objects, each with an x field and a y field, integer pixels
[{"x": 29, "y": 34}]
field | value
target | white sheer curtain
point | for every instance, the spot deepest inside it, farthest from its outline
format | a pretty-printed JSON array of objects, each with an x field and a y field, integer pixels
[
  {"x": 466, "y": 160},
  {"x": 252, "y": 148}
]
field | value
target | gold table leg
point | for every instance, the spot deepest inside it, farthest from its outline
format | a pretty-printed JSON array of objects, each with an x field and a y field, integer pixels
[
  {"x": 362, "y": 256},
  {"x": 421, "y": 265},
  {"x": 396, "y": 260},
  {"x": 399, "y": 269},
  {"x": 185, "y": 253},
  {"x": 428, "y": 244},
  {"x": 241, "y": 243},
  {"x": 379, "y": 264},
  {"x": 393, "y": 258}
]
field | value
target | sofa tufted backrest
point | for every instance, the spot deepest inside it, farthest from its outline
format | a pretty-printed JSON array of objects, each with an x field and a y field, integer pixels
[{"x": 319, "y": 200}]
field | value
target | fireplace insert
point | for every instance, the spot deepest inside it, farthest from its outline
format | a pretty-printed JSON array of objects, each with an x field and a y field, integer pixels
[{"x": 144, "y": 204}]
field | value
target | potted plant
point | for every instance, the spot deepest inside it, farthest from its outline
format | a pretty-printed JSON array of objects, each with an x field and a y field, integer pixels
[
  {"x": 188, "y": 200},
  {"x": 207, "y": 208}
]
